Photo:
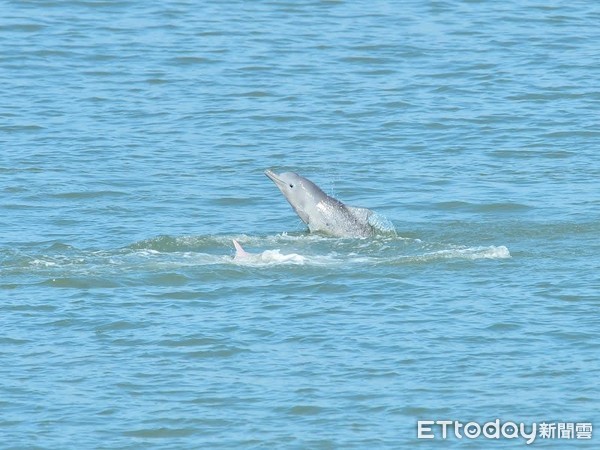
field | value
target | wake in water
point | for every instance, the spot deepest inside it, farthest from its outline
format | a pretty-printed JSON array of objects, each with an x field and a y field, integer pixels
[
  {"x": 194, "y": 256},
  {"x": 322, "y": 251}
]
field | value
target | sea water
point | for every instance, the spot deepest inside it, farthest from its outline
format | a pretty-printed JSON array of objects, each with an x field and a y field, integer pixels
[{"x": 133, "y": 140}]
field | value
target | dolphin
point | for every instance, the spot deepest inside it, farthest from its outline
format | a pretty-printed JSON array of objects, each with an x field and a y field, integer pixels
[
  {"x": 266, "y": 257},
  {"x": 240, "y": 253},
  {"x": 318, "y": 210}
]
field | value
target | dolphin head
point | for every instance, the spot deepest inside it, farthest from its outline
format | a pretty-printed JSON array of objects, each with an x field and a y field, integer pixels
[{"x": 300, "y": 192}]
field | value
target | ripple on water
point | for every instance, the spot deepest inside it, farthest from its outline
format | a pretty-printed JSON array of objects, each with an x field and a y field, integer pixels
[{"x": 133, "y": 153}]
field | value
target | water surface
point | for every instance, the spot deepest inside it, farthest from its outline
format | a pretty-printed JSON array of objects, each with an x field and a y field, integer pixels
[{"x": 133, "y": 141}]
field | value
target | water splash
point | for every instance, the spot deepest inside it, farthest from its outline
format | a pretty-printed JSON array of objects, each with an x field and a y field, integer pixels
[
  {"x": 382, "y": 224},
  {"x": 491, "y": 252},
  {"x": 270, "y": 257},
  {"x": 189, "y": 255}
]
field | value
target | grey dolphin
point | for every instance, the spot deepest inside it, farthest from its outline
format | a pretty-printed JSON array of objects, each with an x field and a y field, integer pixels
[{"x": 318, "y": 210}]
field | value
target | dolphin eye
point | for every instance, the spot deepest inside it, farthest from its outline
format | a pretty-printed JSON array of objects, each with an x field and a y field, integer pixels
[{"x": 291, "y": 185}]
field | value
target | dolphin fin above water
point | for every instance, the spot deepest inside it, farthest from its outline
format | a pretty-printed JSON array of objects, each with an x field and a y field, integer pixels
[
  {"x": 240, "y": 253},
  {"x": 318, "y": 210},
  {"x": 266, "y": 257}
]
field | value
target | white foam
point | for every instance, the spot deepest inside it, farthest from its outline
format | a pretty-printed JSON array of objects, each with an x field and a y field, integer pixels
[
  {"x": 491, "y": 252},
  {"x": 276, "y": 256},
  {"x": 43, "y": 263},
  {"x": 270, "y": 257}
]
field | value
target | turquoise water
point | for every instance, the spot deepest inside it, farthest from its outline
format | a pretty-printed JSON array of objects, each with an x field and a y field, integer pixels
[{"x": 133, "y": 143}]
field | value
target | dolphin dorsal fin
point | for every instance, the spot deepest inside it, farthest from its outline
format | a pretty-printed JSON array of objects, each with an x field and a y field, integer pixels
[
  {"x": 361, "y": 214},
  {"x": 239, "y": 251}
]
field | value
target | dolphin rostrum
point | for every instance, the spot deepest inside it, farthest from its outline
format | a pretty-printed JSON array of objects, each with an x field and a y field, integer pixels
[{"x": 318, "y": 210}]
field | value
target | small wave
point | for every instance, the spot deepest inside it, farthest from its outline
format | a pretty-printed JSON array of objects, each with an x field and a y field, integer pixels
[
  {"x": 43, "y": 263},
  {"x": 491, "y": 252},
  {"x": 171, "y": 243},
  {"x": 181, "y": 259},
  {"x": 506, "y": 207}
]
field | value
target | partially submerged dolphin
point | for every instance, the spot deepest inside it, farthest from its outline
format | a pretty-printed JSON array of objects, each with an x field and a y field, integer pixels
[
  {"x": 318, "y": 210},
  {"x": 266, "y": 257},
  {"x": 240, "y": 253}
]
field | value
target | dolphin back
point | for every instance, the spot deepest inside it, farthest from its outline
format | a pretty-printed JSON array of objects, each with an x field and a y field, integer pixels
[
  {"x": 362, "y": 214},
  {"x": 336, "y": 219}
]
